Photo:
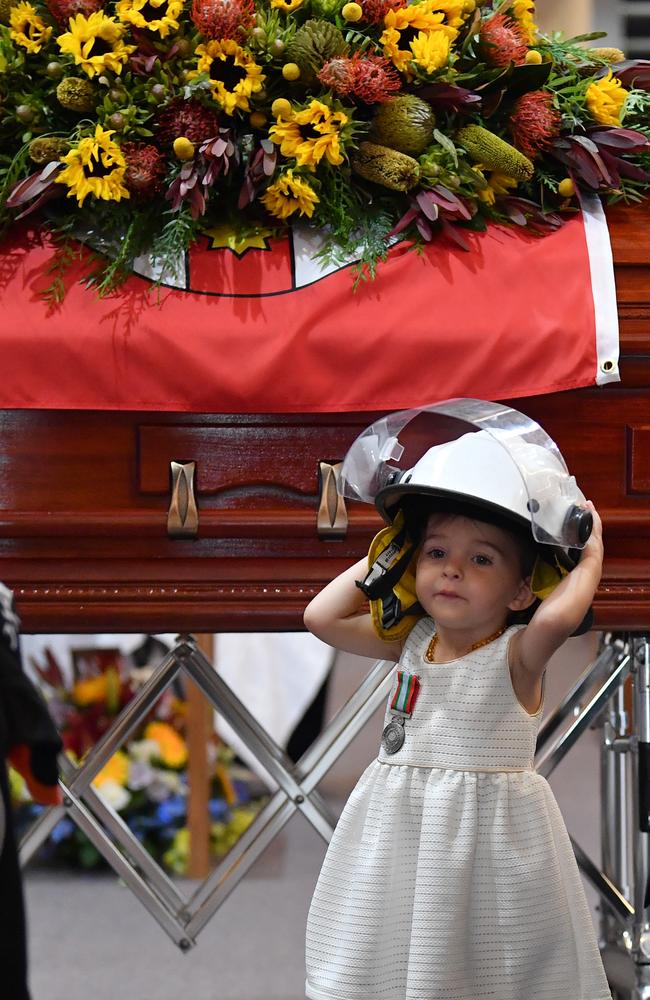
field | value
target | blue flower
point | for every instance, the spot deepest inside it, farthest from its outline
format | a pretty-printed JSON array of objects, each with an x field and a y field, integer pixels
[
  {"x": 171, "y": 809},
  {"x": 63, "y": 829},
  {"x": 217, "y": 808}
]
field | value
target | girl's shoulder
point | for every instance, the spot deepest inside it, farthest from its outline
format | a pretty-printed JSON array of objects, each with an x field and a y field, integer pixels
[{"x": 418, "y": 637}]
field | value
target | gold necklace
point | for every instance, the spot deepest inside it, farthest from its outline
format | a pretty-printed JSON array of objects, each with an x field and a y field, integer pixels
[{"x": 431, "y": 648}]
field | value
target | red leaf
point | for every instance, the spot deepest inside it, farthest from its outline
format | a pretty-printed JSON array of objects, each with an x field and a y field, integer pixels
[
  {"x": 427, "y": 204},
  {"x": 455, "y": 235},
  {"x": 425, "y": 230},
  {"x": 33, "y": 185},
  {"x": 404, "y": 222}
]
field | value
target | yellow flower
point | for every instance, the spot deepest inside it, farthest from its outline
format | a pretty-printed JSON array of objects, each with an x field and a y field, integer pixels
[
  {"x": 90, "y": 690},
  {"x": 27, "y": 28},
  {"x": 172, "y": 747},
  {"x": 401, "y": 26},
  {"x": 96, "y": 43},
  {"x": 96, "y": 167},
  {"x": 289, "y": 194},
  {"x": 524, "y": 12},
  {"x": 234, "y": 74},
  {"x": 431, "y": 50},
  {"x": 117, "y": 770},
  {"x": 453, "y": 11},
  {"x": 605, "y": 100},
  {"x": 497, "y": 183},
  {"x": 310, "y": 135},
  {"x": 287, "y": 5},
  {"x": 155, "y": 15}
]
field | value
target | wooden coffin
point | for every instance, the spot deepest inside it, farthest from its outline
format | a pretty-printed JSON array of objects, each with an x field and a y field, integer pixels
[{"x": 85, "y": 498}]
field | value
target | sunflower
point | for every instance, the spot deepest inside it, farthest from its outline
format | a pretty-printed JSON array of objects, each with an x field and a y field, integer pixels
[
  {"x": 289, "y": 194},
  {"x": 90, "y": 690},
  {"x": 451, "y": 10},
  {"x": 431, "y": 50},
  {"x": 605, "y": 100},
  {"x": 310, "y": 135},
  {"x": 403, "y": 25},
  {"x": 160, "y": 16},
  {"x": 172, "y": 748},
  {"x": 497, "y": 184},
  {"x": 234, "y": 74},
  {"x": 96, "y": 43},
  {"x": 287, "y": 5},
  {"x": 524, "y": 13},
  {"x": 96, "y": 167},
  {"x": 27, "y": 28},
  {"x": 117, "y": 770}
]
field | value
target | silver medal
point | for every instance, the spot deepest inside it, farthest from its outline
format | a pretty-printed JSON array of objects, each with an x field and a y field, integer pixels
[{"x": 393, "y": 736}]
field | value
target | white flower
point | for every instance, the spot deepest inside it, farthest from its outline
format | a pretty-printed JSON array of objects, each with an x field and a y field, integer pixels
[
  {"x": 144, "y": 750},
  {"x": 114, "y": 795},
  {"x": 164, "y": 784},
  {"x": 141, "y": 774}
]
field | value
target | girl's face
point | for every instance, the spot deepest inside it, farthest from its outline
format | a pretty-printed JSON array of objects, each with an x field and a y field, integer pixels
[{"x": 468, "y": 574}]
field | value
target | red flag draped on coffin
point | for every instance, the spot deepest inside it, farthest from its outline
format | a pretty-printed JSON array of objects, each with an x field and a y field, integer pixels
[{"x": 260, "y": 328}]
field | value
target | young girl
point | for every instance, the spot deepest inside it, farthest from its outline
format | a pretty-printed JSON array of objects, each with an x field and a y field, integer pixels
[{"x": 450, "y": 875}]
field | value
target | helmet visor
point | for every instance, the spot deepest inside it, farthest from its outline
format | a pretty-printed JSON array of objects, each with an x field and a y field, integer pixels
[{"x": 383, "y": 454}]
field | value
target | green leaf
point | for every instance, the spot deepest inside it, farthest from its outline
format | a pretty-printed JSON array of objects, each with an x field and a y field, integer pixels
[
  {"x": 446, "y": 143},
  {"x": 589, "y": 37},
  {"x": 527, "y": 78}
]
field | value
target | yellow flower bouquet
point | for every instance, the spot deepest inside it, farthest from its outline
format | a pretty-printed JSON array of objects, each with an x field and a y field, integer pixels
[{"x": 142, "y": 123}]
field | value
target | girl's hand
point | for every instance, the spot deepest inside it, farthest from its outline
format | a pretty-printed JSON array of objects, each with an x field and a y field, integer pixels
[
  {"x": 560, "y": 614},
  {"x": 594, "y": 546}
]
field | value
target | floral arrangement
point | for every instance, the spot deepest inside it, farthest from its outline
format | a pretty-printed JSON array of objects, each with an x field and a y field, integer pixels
[
  {"x": 149, "y": 122},
  {"x": 146, "y": 780}
]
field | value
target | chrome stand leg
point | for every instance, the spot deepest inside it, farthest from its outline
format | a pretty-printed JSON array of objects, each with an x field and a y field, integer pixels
[
  {"x": 615, "y": 798},
  {"x": 641, "y": 818}
]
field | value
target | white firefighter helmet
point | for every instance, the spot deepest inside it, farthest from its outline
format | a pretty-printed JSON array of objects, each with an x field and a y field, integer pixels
[
  {"x": 503, "y": 465},
  {"x": 489, "y": 461}
]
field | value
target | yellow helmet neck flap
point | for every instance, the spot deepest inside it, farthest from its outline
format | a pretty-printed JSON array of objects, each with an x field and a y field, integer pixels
[{"x": 390, "y": 582}]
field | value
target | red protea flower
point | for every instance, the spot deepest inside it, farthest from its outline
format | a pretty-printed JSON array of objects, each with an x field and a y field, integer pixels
[
  {"x": 223, "y": 18},
  {"x": 502, "y": 42},
  {"x": 372, "y": 79},
  {"x": 186, "y": 118},
  {"x": 338, "y": 74},
  {"x": 375, "y": 79},
  {"x": 534, "y": 122},
  {"x": 145, "y": 169},
  {"x": 63, "y": 10},
  {"x": 374, "y": 11}
]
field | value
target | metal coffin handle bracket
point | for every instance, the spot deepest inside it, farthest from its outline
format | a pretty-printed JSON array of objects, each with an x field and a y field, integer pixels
[
  {"x": 332, "y": 520},
  {"x": 182, "y": 516}
]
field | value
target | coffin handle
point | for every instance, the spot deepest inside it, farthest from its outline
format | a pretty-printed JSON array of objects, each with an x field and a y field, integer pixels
[
  {"x": 332, "y": 519},
  {"x": 183, "y": 515}
]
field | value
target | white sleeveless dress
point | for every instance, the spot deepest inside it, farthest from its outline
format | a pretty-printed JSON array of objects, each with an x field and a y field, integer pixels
[{"x": 450, "y": 875}]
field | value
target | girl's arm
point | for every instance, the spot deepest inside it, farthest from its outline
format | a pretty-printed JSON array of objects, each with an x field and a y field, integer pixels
[
  {"x": 560, "y": 614},
  {"x": 338, "y": 617}
]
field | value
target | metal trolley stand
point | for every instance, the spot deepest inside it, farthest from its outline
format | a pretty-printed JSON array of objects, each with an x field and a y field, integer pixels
[{"x": 597, "y": 699}]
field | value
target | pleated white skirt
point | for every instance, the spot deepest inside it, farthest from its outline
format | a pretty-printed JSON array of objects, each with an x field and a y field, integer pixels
[{"x": 451, "y": 885}]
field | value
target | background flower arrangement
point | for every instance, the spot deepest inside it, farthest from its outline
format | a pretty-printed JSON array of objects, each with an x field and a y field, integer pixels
[
  {"x": 147, "y": 122},
  {"x": 146, "y": 780}
]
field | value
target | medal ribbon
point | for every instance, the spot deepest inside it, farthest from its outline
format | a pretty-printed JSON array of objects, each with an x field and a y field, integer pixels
[{"x": 408, "y": 686}]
